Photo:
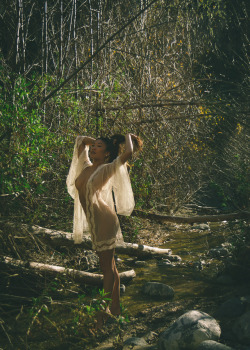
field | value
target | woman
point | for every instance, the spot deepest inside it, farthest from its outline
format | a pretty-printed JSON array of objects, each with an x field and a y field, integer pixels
[{"x": 100, "y": 189}]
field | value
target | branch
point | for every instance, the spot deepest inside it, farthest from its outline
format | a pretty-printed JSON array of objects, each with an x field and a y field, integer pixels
[{"x": 192, "y": 219}]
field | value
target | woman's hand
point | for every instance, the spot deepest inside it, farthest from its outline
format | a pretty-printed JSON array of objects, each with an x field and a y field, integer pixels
[
  {"x": 137, "y": 142},
  {"x": 133, "y": 137},
  {"x": 83, "y": 141}
]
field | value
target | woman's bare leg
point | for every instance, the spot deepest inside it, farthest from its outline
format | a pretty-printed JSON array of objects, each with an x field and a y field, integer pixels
[
  {"x": 111, "y": 279},
  {"x": 115, "y": 306}
]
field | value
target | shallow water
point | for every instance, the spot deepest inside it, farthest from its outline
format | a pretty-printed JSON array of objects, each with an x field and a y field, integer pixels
[{"x": 187, "y": 280}]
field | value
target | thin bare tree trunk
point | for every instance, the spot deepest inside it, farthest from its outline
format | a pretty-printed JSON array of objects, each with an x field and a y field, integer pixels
[
  {"x": 61, "y": 40},
  {"x": 22, "y": 38},
  {"x": 91, "y": 41},
  {"x": 45, "y": 50},
  {"x": 75, "y": 47},
  {"x": 20, "y": 52},
  {"x": 45, "y": 36},
  {"x": 90, "y": 59}
]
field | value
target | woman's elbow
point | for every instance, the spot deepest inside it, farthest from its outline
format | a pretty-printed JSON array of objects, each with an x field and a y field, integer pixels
[{"x": 125, "y": 156}]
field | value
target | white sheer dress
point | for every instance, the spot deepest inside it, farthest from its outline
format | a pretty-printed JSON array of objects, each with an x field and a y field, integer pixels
[{"x": 95, "y": 214}]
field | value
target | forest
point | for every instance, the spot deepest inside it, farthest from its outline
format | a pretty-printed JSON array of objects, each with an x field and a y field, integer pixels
[{"x": 174, "y": 72}]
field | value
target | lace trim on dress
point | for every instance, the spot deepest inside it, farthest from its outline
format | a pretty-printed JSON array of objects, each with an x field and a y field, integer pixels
[{"x": 105, "y": 245}]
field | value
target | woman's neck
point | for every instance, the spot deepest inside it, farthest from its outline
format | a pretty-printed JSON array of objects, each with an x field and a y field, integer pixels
[{"x": 97, "y": 162}]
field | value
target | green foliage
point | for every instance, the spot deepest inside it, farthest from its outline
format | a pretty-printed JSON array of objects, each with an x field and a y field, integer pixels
[
  {"x": 181, "y": 52},
  {"x": 142, "y": 183},
  {"x": 26, "y": 146},
  {"x": 78, "y": 325},
  {"x": 217, "y": 195}
]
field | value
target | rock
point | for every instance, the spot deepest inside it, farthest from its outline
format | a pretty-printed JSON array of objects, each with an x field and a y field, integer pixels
[
  {"x": 150, "y": 337},
  {"x": 156, "y": 289},
  {"x": 122, "y": 288},
  {"x": 241, "y": 328},
  {"x": 233, "y": 307},
  {"x": 174, "y": 258},
  {"x": 164, "y": 262},
  {"x": 196, "y": 265},
  {"x": 140, "y": 263},
  {"x": 219, "y": 252},
  {"x": 225, "y": 279},
  {"x": 135, "y": 341},
  {"x": 188, "y": 331},
  {"x": 213, "y": 345}
]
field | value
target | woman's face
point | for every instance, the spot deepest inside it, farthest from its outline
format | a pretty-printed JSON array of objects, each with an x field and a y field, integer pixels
[{"x": 98, "y": 150}]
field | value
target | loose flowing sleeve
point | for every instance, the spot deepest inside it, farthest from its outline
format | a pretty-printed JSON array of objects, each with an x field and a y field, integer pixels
[
  {"x": 117, "y": 175},
  {"x": 80, "y": 225},
  {"x": 124, "y": 198}
]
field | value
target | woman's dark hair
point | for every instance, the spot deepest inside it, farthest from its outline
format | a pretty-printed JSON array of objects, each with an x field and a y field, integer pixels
[{"x": 114, "y": 143}]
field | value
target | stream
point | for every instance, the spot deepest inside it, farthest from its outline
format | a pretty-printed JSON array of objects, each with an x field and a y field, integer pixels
[
  {"x": 192, "y": 277},
  {"x": 48, "y": 310}
]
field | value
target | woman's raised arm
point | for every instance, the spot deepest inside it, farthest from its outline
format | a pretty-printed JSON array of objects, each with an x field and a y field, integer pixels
[
  {"x": 84, "y": 141},
  {"x": 124, "y": 157}
]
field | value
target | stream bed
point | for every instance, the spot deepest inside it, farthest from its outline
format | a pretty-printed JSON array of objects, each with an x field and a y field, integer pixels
[
  {"x": 45, "y": 312},
  {"x": 193, "y": 276}
]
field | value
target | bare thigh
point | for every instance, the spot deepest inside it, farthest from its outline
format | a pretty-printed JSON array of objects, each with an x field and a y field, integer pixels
[{"x": 106, "y": 259}]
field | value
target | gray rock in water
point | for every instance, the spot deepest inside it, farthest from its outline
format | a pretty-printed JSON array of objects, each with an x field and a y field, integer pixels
[
  {"x": 225, "y": 279},
  {"x": 241, "y": 328},
  {"x": 174, "y": 258},
  {"x": 135, "y": 341},
  {"x": 188, "y": 331},
  {"x": 233, "y": 307},
  {"x": 156, "y": 289},
  {"x": 219, "y": 252},
  {"x": 164, "y": 262},
  {"x": 213, "y": 345}
]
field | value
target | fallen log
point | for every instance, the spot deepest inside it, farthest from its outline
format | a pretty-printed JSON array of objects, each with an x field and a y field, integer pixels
[
  {"x": 79, "y": 276},
  {"x": 143, "y": 251},
  {"x": 66, "y": 238},
  {"x": 192, "y": 219}
]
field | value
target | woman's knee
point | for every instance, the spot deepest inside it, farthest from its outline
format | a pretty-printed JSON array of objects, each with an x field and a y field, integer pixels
[
  {"x": 106, "y": 262},
  {"x": 107, "y": 268}
]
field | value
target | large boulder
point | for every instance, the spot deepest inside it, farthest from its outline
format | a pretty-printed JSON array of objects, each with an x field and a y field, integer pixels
[
  {"x": 241, "y": 328},
  {"x": 213, "y": 345},
  {"x": 156, "y": 289},
  {"x": 188, "y": 331}
]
